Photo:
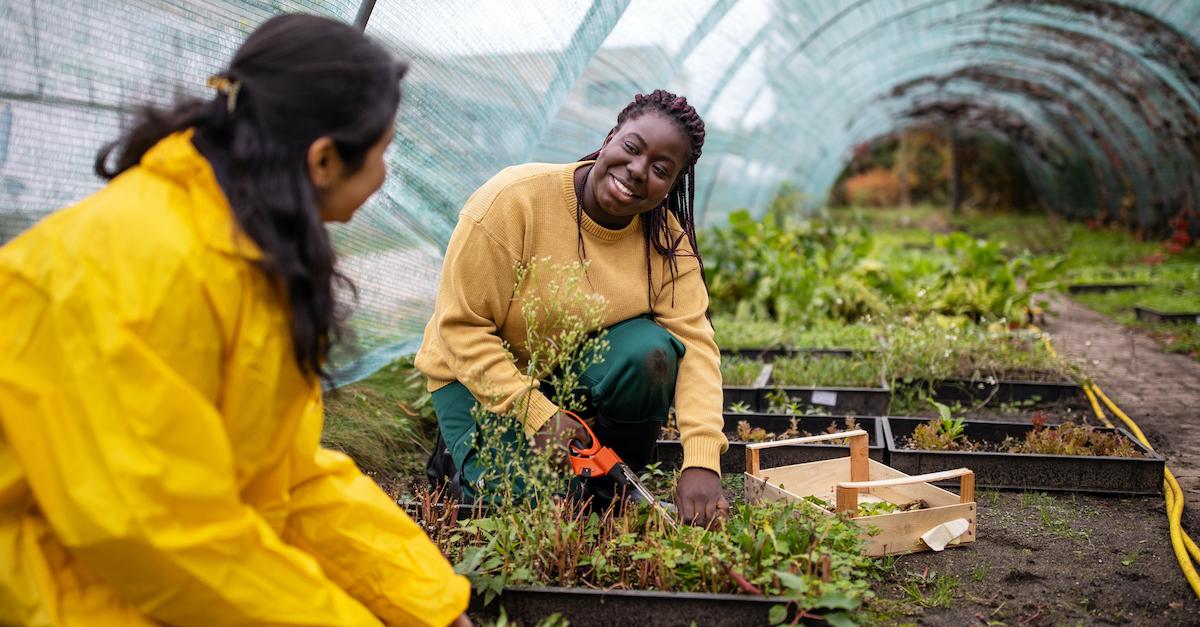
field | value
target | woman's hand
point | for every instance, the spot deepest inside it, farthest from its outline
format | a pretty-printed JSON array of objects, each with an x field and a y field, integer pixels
[
  {"x": 557, "y": 434},
  {"x": 699, "y": 497},
  {"x": 461, "y": 621}
]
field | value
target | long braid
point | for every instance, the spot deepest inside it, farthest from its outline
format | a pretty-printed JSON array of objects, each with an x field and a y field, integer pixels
[{"x": 681, "y": 200}]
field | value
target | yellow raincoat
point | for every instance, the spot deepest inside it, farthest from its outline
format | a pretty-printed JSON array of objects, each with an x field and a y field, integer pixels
[{"x": 159, "y": 450}]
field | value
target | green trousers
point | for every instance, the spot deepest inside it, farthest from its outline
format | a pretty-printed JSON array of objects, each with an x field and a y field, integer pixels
[{"x": 629, "y": 394}]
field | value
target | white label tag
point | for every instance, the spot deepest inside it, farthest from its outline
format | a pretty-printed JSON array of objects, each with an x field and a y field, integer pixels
[{"x": 824, "y": 397}]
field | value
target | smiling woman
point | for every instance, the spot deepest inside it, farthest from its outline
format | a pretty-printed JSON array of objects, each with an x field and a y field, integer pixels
[{"x": 627, "y": 211}]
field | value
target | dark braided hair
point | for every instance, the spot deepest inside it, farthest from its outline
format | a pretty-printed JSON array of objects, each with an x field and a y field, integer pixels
[{"x": 680, "y": 201}]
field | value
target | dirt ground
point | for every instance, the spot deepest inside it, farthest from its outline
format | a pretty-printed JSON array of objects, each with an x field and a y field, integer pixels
[{"x": 1063, "y": 559}]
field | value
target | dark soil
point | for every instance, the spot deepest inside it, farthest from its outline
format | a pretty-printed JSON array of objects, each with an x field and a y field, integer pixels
[{"x": 1066, "y": 559}]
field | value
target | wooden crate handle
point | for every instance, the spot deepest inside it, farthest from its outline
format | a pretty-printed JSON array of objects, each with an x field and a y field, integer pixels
[
  {"x": 858, "y": 442},
  {"x": 847, "y": 492}
]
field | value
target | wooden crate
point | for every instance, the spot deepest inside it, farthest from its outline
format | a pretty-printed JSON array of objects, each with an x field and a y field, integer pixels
[{"x": 847, "y": 480}]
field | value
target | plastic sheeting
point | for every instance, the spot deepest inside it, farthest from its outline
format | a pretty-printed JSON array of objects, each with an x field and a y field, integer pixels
[{"x": 1100, "y": 99}]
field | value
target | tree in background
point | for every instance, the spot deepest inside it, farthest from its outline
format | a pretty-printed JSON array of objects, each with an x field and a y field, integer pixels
[{"x": 914, "y": 166}]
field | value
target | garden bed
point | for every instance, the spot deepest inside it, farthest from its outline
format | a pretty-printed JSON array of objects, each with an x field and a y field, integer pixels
[
  {"x": 1033, "y": 392},
  {"x": 670, "y": 451},
  {"x": 1027, "y": 471},
  {"x": 584, "y": 607},
  {"x": 1095, "y": 288},
  {"x": 1146, "y": 314},
  {"x": 770, "y": 353},
  {"x": 857, "y": 401}
]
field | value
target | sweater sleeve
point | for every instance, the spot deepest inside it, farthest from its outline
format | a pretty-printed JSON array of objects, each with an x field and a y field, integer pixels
[
  {"x": 681, "y": 307},
  {"x": 477, "y": 284}
]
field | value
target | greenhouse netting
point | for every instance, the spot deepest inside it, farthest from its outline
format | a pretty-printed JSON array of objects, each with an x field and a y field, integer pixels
[{"x": 1101, "y": 101}]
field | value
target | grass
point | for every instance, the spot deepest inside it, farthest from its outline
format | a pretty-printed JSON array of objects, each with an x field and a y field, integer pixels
[
  {"x": 930, "y": 589},
  {"x": 739, "y": 370},
  {"x": 1175, "y": 338},
  {"x": 1053, "y": 517},
  {"x": 384, "y": 422},
  {"x": 733, "y": 332},
  {"x": 827, "y": 371}
]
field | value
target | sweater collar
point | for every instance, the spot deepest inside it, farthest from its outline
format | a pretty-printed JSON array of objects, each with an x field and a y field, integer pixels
[
  {"x": 176, "y": 159},
  {"x": 593, "y": 228}
]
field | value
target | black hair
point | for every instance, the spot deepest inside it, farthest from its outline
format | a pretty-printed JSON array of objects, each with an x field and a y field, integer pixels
[
  {"x": 295, "y": 79},
  {"x": 681, "y": 200}
]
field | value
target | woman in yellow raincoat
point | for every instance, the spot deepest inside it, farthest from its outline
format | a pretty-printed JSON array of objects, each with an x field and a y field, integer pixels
[{"x": 162, "y": 346}]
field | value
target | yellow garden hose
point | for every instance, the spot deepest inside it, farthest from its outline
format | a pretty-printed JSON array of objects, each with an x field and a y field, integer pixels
[{"x": 1181, "y": 543}]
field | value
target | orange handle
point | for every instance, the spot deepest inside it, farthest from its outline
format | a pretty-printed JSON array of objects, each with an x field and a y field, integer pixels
[{"x": 594, "y": 461}]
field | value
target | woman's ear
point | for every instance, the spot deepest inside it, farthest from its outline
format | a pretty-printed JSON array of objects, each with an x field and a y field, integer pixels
[{"x": 324, "y": 163}]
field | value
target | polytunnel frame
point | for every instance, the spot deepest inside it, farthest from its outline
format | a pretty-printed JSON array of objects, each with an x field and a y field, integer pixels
[{"x": 1149, "y": 187}]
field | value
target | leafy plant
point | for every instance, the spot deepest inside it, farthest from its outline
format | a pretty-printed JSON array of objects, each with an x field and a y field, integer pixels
[
  {"x": 944, "y": 433},
  {"x": 1071, "y": 439},
  {"x": 815, "y": 561},
  {"x": 738, "y": 408}
]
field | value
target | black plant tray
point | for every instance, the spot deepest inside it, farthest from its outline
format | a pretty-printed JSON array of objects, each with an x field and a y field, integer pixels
[
  {"x": 767, "y": 354},
  {"x": 1094, "y": 288},
  {"x": 461, "y": 511},
  {"x": 670, "y": 452},
  {"x": 950, "y": 390},
  {"x": 585, "y": 607},
  {"x": 1020, "y": 471},
  {"x": 1153, "y": 315},
  {"x": 835, "y": 400}
]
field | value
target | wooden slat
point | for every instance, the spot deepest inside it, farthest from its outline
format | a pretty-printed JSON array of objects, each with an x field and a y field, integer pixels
[
  {"x": 810, "y": 478},
  {"x": 925, "y": 478},
  {"x": 752, "y": 461},
  {"x": 859, "y": 469},
  {"x": 901, "y": 532},
  {"x": 824, "y": 437},
  {"x": 847, "y": 501},
  {"x": 966, "y": 488},
  {"x": 932, "y": 495}
]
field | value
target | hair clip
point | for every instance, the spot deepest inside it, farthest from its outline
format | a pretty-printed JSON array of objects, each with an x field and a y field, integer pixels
[{"x": 227, "y": 86}]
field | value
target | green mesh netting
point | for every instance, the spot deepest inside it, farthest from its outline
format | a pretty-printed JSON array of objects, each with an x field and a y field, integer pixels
[{"x": 1101, "y": 101}]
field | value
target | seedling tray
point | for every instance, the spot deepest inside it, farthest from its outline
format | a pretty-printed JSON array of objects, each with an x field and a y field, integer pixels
[
  {"x": 1023, "y": 471},
  {"x": 585, "y": 607},
  {"x": 1095, "y": 288},
  {"x": 965, "y": 390},
  {"x": 768, "y": 354},
  {"x": 670, "y": 452},
  {"x": 1153, "y": 315},
  {"x": 836, "y": 400},
  {"x": 846, "y": 480}
]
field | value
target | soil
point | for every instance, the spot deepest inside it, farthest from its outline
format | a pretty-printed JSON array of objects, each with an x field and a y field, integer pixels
[{"x": 1051, "y": 559}]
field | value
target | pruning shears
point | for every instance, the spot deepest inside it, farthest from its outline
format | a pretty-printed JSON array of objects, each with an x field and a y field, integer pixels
[{"x": 597, "y": 460}]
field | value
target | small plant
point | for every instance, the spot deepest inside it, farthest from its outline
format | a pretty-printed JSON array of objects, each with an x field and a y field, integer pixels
[
  {"x": 738, "y": 408},
  {"x": 944, "y": 433},
  {"x": 980, "y": 572},
  {"x": 930, "y": 589}
]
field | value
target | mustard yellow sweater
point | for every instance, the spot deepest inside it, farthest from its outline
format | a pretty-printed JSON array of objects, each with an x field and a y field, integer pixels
[{"x": 527, "y": 212}]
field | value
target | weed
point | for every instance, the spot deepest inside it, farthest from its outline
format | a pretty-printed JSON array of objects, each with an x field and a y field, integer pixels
[
  {"x": 980, "y": 572},
  {"x": 1129, "y": 558},
  {"x": 930, "y": 589}
]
